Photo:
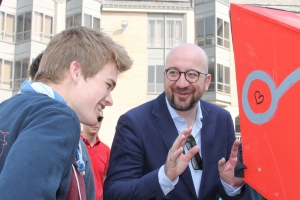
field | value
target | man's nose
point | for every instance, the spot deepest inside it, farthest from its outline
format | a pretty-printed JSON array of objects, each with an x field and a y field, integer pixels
[{"x": 182, "y": 82}]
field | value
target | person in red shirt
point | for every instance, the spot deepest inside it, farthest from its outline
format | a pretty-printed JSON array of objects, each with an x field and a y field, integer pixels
[{"x": 99, "y": 154}]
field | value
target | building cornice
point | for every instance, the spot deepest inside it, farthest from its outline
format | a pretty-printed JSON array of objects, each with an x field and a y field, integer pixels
[{"x": 147, "y": 5}]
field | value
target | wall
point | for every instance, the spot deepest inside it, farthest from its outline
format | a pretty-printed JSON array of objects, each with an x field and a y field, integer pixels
[{"x": 134, "y": 40}]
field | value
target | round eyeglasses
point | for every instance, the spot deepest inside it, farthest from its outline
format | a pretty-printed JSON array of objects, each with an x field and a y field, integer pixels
[{"x": 191, "y": 75}]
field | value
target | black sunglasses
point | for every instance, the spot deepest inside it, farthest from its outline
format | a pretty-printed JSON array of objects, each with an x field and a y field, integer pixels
[
  {"x": 196, "y": 160},
  {"x": 100, "y": 118}
]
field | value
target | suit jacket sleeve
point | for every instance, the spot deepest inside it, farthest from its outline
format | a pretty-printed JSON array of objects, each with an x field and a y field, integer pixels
[
  {"x": 126, "y": 178},
  {"x": 39, "y": 162}
]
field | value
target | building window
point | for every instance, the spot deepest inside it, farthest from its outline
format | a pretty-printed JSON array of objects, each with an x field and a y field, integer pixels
[
  {"x": 211, "y": 71},
  {"x": 6, "y": 72},
  {"x": 92, "y": 22},
  {"x": 42, "y": 27},
  {"x": 156, "y": 33},
  {"x": 173, "y": 33},
  {"x": 88, "y": 20},
  {"x": 96, "y": 23},
  {"x": 74, "y": 20},
  {"x": 24, "y": 27},
  {"x": 165, "y": 28},
  {"x": 223, "y": 33},
  {"x": 205, "y": 31},
  {"x": 7, "y": 27},
  {"x": 155, "y": 79},
  {"x": 21, "y": 72},
  {"x": 223, "y": 80}
]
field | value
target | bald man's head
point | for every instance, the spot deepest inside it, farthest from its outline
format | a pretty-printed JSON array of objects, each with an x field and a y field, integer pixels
[{"x": 191, "y": 51}]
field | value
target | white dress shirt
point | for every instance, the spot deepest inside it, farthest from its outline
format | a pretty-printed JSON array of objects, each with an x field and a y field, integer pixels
[{"x": 181, "y": 124}]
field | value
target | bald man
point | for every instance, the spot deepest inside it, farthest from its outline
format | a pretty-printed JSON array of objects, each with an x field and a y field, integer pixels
[{"x": 176, "y": 146}]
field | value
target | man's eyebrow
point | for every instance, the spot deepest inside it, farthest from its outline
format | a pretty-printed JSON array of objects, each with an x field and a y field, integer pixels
[{"x": 172, "y": 67}]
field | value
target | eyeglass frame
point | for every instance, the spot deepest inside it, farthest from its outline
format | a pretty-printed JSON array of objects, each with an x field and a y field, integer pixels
[
  {"x": 191, "y": 140},
  {"x": 199, "y": 73}
]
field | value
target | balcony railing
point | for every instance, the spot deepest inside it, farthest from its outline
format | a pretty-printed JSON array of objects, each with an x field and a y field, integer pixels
[
  {"x": 23, "y": 36},
  {"x": 159, "y": 42},
  {"x": 7, "y": 36},
  {"x": 156, "y": 42},
  {"x": 173, "y": 42},
  {"x": 41, "y": 36}
]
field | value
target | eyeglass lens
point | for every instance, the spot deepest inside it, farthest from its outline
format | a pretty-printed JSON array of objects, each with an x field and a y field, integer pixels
[
  {"x": 196, "y": 160},
  {"x": 191, "y": 75}
]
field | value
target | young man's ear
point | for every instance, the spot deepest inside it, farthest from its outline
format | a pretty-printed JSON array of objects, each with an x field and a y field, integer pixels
[{"x": 75, "y": 71}]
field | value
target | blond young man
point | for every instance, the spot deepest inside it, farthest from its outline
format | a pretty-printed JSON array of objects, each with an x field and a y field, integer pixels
[
  {"x": 82, "y": 184},
  {"x": 99, "y": 154},
  {"x": 40, "y": 127}
]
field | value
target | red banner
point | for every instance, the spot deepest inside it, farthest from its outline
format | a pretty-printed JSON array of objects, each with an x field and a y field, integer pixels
[{"x": 267, "y": 60}]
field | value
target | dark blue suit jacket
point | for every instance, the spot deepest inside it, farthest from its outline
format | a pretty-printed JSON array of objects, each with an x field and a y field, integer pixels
[{"x": 142, "y": 140}]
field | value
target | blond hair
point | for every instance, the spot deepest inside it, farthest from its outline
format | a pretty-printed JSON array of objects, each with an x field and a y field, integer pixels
[{"x": 91, "y": 48}]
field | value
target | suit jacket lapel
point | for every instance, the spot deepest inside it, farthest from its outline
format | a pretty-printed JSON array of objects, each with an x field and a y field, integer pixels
[
  {"x": 207, "y": 141},
  {"x": 168, "y": 132},
  {"x": 207, "y": 134},
  {"x": 164, "y": 121}
]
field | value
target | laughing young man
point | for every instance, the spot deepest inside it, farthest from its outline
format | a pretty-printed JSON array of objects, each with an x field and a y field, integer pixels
[{"x": 41, "y": 125}]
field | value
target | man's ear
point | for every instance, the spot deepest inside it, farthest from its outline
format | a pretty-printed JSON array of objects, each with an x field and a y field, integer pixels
[
  {"x": 75, "y": 71},
  {"x": 207, "y": 81}
]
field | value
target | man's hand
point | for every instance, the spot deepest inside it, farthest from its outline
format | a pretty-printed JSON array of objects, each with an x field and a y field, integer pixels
[
  {"x": 226, "y": 169},
  {"x": 177, "y": 162}
]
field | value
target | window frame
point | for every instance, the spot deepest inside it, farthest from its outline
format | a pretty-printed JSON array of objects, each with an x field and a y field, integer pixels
[
  {"x": 23, "y": 74},
  {"x": 202, "y": 41},
  {"x": 159, "y": 33},
  {"x": 212, "y": 72},
  {"x": 41, "y": 35},
  {"x": 74, "y": 20},
  {"x": 225, "y": 82},
  {"x": 92, "y": 22},
  {"x": 154, "y": 41},
  {"x": 4, "y": 34},
  {"x": 6, "y": 83},
  {"x": 175, "y": 38},
  {"x": 155, "y": 83},
  {"x": 223, "y": 38},
  {"x": 24, "y": 33}
]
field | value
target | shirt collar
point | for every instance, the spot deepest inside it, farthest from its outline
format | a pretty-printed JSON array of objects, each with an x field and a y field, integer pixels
[
  {"x": 87, "y": 142},
  {"x": 38, "y": 87}
]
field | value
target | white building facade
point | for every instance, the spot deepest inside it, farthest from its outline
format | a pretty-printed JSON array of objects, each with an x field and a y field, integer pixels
[{"x": 148, "y": 30}]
